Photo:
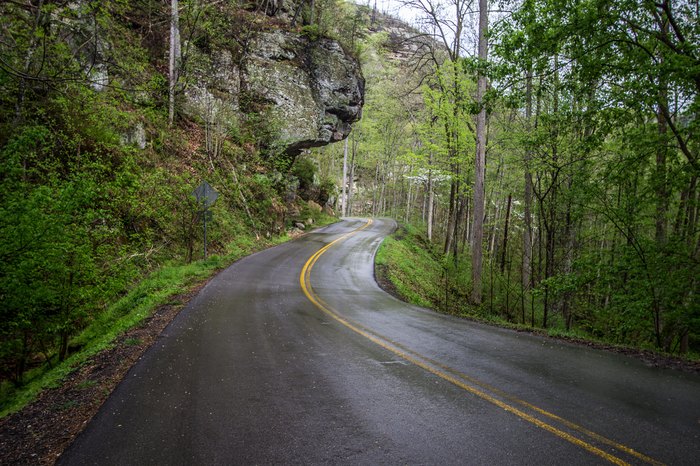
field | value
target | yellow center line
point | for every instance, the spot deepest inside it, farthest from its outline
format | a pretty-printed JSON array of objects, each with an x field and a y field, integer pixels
[{"x": 455, "y": 376}]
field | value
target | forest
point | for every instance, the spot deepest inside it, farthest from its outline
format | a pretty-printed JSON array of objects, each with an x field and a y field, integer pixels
[
  {"x": 544, "y": 154},
  {"x": 542, "y": 157}
]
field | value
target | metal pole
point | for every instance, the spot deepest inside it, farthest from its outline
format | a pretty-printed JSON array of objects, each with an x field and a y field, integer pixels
[{"x": 205, "y": 234}]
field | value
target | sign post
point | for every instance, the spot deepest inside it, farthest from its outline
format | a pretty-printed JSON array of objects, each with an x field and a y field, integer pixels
[{"x": 206, "y": 196}]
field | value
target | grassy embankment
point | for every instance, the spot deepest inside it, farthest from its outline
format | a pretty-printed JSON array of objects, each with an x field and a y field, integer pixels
[
  {"x": 417, "y": 273},
  {"x": 140, "y": 302}
]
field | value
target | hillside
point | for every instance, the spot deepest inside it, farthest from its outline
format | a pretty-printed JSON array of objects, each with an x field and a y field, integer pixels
[{"x": 111, "y": 119}]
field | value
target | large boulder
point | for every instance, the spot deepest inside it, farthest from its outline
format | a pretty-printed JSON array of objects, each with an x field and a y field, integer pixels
[{"x": 311, "y": 90}]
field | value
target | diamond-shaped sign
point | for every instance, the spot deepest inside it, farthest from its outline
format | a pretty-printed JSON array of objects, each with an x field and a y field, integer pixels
[{"x": 205, "y": 194}]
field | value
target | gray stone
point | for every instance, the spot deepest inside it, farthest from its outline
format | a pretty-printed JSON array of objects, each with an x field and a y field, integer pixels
[
  {"x": 135, "y": 136},
  {"x": 313, "y": 90},
  {"x": 212, "y": 95},
  {"x": 314, "y": 206}
]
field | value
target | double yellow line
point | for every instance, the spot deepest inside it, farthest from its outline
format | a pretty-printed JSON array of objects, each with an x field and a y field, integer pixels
[{"x": 461, "y": 380}]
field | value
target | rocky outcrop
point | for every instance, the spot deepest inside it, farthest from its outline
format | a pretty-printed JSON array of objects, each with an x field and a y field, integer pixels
[
  {"x": 306, "y": 90},
  {"x": 286, "y": 10},
  {"x": 311, "y": 90}
]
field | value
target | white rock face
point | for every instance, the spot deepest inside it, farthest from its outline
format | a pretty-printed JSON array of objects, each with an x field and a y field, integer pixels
[
  {"x": 308, "y": 91},
  {"x": 136, "y": 136},
  {"x": 313, "y": 90},
  {"x": 212, "y": 97}
]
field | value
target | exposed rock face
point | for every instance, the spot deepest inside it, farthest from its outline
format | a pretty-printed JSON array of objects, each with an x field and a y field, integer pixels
[
  {"x": 308, "y": 91},
  {"x": 283, "y": 9},
  {"x": 311, "y": 89},
  {"x": 212, "y": 96}
]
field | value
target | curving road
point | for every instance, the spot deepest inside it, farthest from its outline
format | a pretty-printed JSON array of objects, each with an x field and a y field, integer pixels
[{"x": 293, "y": 355}]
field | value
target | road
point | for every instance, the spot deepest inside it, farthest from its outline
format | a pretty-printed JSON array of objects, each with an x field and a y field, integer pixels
[{"x": 294, "y": 355}]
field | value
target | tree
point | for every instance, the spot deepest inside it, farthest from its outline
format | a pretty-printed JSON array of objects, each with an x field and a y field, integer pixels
[
  {"x": 480, "y": 161},
  {"x": 174, "y": 61}
]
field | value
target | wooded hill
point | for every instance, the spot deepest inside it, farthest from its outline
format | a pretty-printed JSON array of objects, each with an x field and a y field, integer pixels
[
  {"x": 587, "y": 217},
  {"x": 590, "y": 202},
  {"x": 112, "y": 113}
]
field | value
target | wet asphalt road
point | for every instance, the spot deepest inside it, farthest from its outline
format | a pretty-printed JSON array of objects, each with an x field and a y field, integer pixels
[{"x": 268, "y": 366}]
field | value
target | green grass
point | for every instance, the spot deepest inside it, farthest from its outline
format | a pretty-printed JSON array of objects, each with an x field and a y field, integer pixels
[
  {"x": 86, "y": 384},
  {"x": 140, "y": 302},
  {"x": 416, "y": 274}
]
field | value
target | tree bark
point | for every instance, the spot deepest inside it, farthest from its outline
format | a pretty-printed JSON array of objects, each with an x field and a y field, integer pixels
[
  {"x": 662, "y": 192},
  {"x": 480, "y": 162},
  {"x": 527, "y": 232},
  {"x": 351, "y": 180},
  {"x": 505, "y": 234},
  {"x": 33, "y": 44},
  {"x": 344, "y": 186},
  {"x": 431, "y": 198},
  {"x": 174, "y": 58},
  {"x": 451, "y": 216}
]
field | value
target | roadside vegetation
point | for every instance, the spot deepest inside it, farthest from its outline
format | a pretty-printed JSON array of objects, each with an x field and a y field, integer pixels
[
  {"x": 99, "y": 159},
  {"x": 129, "y": 311},
  {"x": 579, "y": 213},
  {"x": 415, "y": 270}
]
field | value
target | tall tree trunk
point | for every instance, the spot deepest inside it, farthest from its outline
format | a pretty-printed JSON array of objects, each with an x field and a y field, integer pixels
[
  {"x": 33, "y": 44},
  {"x": 174, "y": 58},
  {"x": 344, "y": 186},
  {"x": 551, "y": 225},
  {"x": 505, "y": 235},
  {"x": 495, "y": 193},
  {"x": 691, "y": 229},
  {"x": 468, "y": 226},
  {"x": 407, "y": 215},
  {"x": 381, "y": 209},
  {"x": 459, "y": 223},
  {"x": 351, "y": 180},
  {"x": 480, "y": 161},
  {"x": 451, "y": 216},
  {"x": 491, "y": 239},
  {"x": 570, "y": 238},
  {"x": 662, "y": 189},
  {"x": 527, "y": 232},
  {"x": 431, "y": 198}
]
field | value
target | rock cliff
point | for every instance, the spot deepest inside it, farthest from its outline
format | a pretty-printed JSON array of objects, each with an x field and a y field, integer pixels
[
  {"x": 312, "y": 89},
  {"x": 308, "y": 90}
]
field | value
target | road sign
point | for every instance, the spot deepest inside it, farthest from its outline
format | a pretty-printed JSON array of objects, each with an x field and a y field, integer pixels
[
  {"x": 206, "y": 197},
  {"x": 205, "y": 194}
]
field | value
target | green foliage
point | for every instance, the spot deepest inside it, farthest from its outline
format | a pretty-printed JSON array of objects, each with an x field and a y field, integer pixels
[
  {"x": 613, "y": 165},
  {"x": 304, "y": 170},
  {"x": 311, "y": 31},
  {"x": 404, "y": 260},
  {"x": 58, "y": 239},
  {"x": 595, "y": 102},
  {"x": 96, "y": 188}
]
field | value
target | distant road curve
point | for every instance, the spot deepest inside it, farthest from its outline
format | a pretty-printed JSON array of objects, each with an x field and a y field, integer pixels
[{"x": 294, "y": 355}]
